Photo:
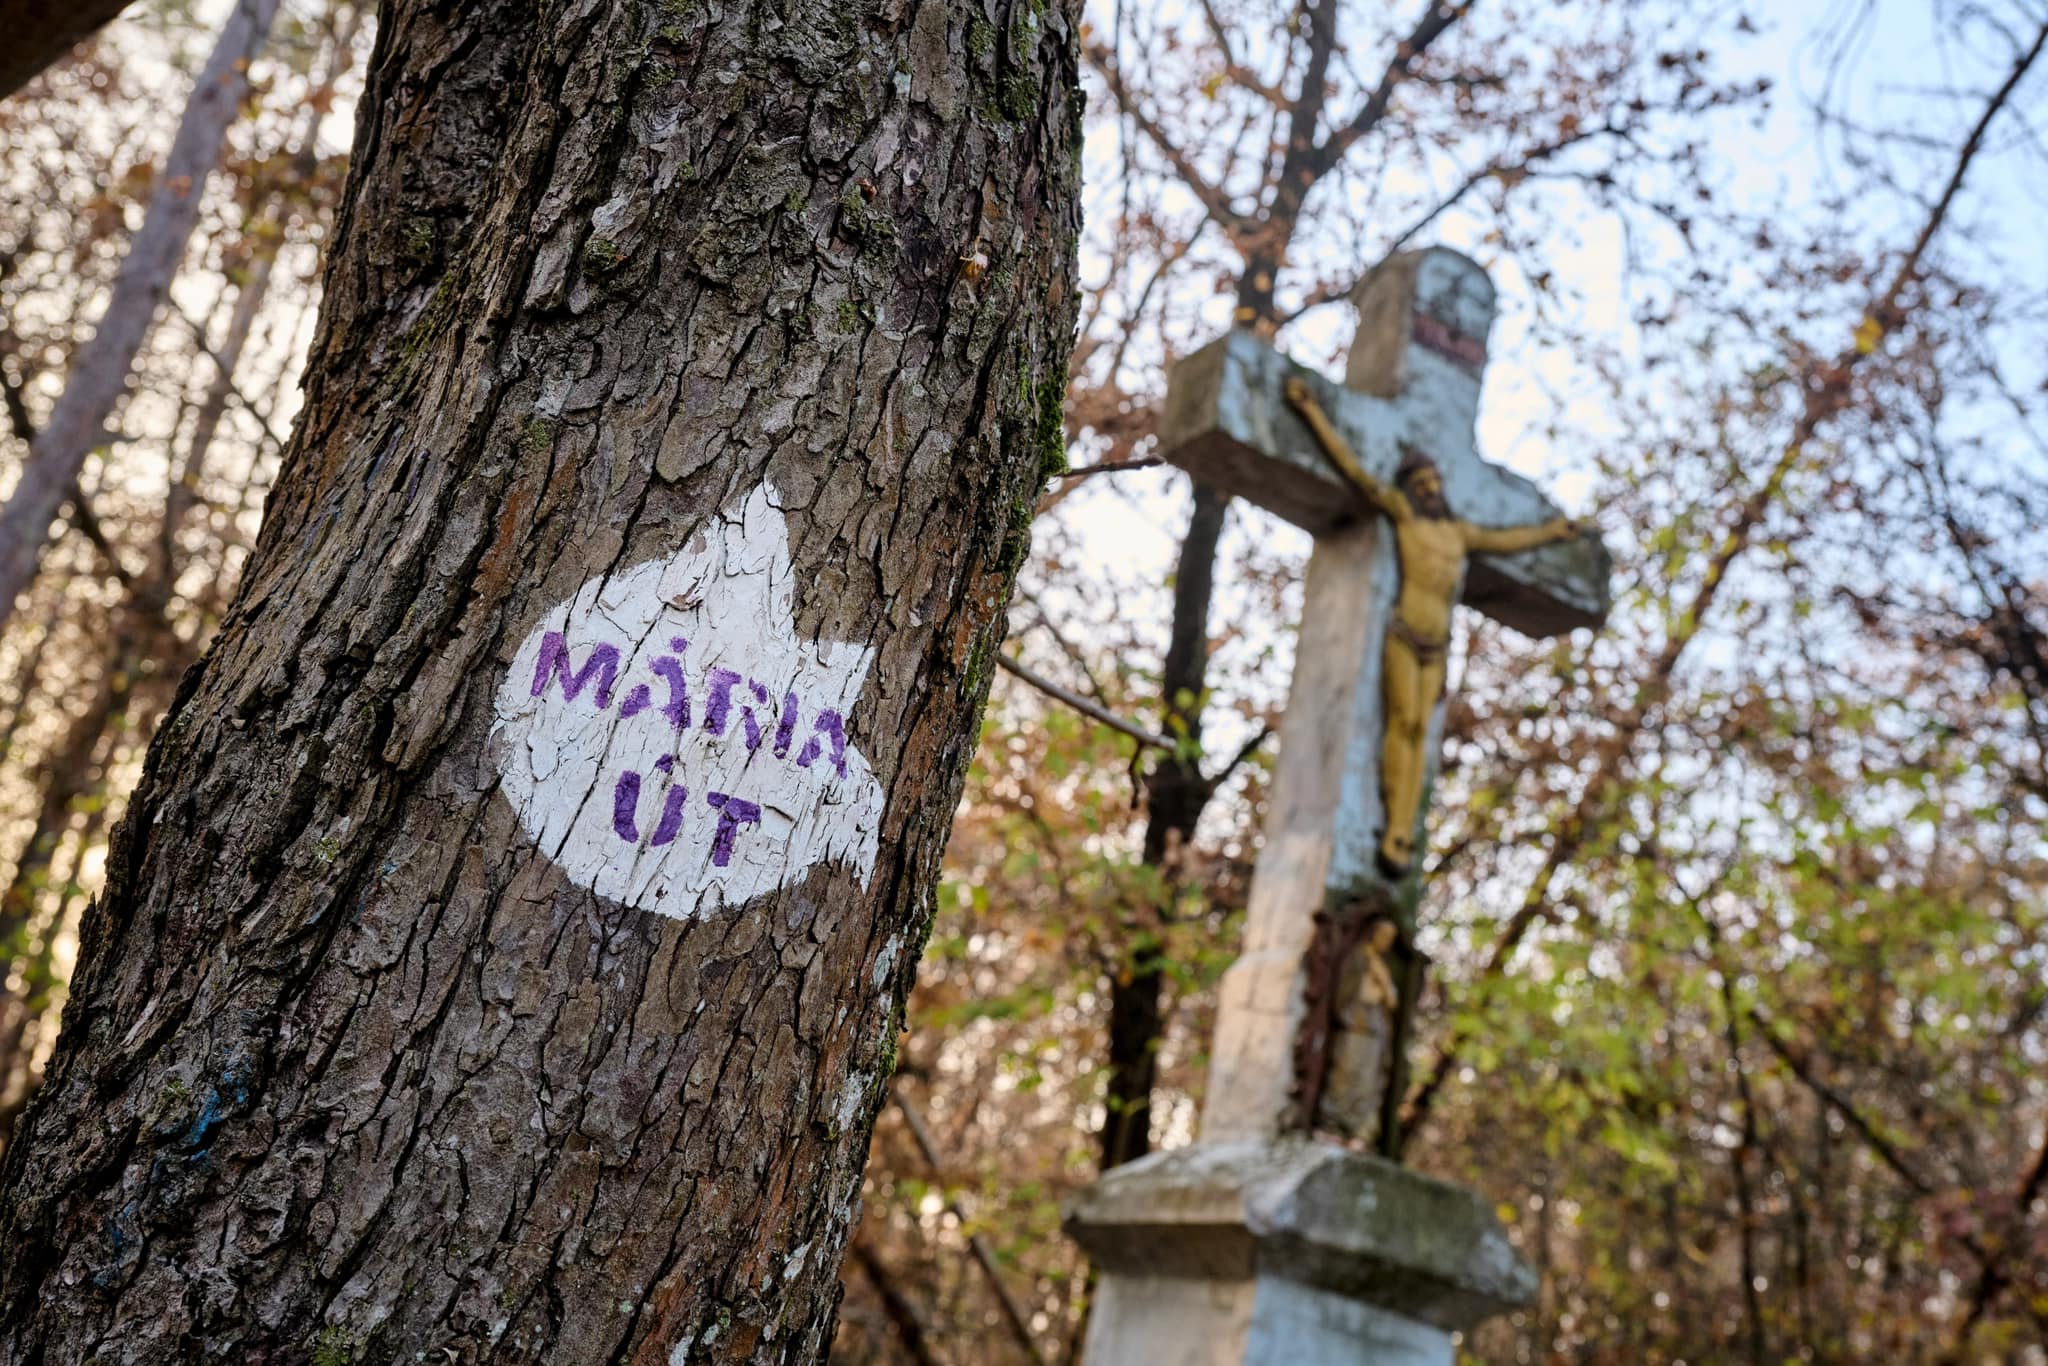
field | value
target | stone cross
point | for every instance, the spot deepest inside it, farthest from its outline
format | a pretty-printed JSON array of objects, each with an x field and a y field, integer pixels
[
  {"x": 1295, "y": 1045},
  {"x": 1264, "y": 1242}
]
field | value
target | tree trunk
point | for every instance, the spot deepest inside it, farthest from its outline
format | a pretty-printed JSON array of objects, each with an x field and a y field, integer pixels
[
  {"x": 407, "y": 1024},
  {"x": 1176, "y": 791},
  {"x": 67, "y": 773},
  {"x": 98, "y": 375},
  {"x": 142, "y": 654},
  {"x": 29, "y": 941}
]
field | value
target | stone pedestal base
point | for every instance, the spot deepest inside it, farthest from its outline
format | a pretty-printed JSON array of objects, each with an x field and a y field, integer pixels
[{"x": 1261, "y": 1253}]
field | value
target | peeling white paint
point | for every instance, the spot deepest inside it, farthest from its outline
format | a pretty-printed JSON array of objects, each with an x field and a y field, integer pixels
[{"x": 666, "y": 738}]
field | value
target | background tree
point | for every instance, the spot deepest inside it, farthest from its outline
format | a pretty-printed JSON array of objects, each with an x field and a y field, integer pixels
[
  {"x": 167, "y": 503},
  {"x": 98, "y": 373}
]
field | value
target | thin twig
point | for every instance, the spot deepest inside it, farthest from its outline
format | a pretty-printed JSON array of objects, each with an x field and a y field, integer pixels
[
  {"x": 1244, "y": 752},
  {"x": 1435, "y": 19},
  {"x": 1112, "y": 467},
  {"x": 1067, "y": 647},
  {"x": 223, "y": 368},
  {"x": 1212, "y": 197},
  {"x": 1994, "y": 1278},
  {"x": 1802, "y": 1068},
  {"x": 1496, "y": 168},
  {"x": 1731, "y": 1023}
]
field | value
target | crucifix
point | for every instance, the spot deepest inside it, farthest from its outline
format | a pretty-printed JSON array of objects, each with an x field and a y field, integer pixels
[
  {"x": 1275, "y": 1238},
  {"x": 1408, "y": 519}
]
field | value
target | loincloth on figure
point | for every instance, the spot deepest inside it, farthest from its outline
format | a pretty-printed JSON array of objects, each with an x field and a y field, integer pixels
[{"x": 1425, "y": 650}]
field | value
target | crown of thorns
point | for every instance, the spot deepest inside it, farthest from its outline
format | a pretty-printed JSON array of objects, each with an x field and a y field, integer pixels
[{"x": 1414, "y": 462}]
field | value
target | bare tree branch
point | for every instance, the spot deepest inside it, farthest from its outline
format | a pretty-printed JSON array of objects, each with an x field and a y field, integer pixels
[
  {"x": 1244, "y": 752},
  {"x": 1235, "y": 71},
  {"x": 1091, "y": 710},
  {"x": 1994, "y": 1277},
  {"x": 1067, "y": 647},
  {"x": 1212, "y": 198},
  {"x": 1148, "y": 462},
  {"x": 225, "y": 360},
  {"x": 1802, "y": 1068},
  {"x": 1494, "y": 169},
  {"x": 1435, "y": 20},
  {"x": 99, "y": 371}
]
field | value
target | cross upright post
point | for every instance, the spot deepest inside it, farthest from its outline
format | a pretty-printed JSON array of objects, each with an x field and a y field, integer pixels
[{"x": 1236, "y": 1249}]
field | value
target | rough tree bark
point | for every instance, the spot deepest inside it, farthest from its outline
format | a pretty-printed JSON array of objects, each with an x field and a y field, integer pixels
[
  {"x": 352, "y": 1068},
  {"x": 98, "y": 375}
]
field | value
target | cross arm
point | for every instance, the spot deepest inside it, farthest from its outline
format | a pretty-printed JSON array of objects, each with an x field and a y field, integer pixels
[
  {"x": 1558, "y": 583},
  {"x": 1385, "y": 497},
  {"x": 1228, "y": 423}
]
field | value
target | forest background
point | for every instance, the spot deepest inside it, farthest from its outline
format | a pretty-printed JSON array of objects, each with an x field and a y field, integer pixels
[{"x": 1738, "y": 912}]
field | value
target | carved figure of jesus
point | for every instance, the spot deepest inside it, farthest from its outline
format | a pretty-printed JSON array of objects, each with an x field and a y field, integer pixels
[{"x": 1432, "y": 547}]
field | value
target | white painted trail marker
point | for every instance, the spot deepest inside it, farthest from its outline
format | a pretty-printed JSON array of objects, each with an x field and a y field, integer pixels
[{"x": 666, "y": 738}]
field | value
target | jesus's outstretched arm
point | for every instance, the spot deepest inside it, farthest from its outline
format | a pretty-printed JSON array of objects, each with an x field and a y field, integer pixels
[
  {"x": 1391, "y": 501},
  {"x": 1501, "y": 540}
]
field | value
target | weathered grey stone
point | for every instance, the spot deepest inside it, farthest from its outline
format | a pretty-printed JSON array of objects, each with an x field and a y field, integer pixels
[
  {"x": 1228, "y": 423},
  {"x": 1413, "y": 382},
  {"x": 1167, "y": 1321},
  {"x": 1260, "y": 1245},
  {"x": 1305, "y": 1212}
]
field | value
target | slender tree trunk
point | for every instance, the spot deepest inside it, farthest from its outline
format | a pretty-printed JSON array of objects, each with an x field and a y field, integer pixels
[
  {"x": 141, "y": 634},
  {"x": 99, "y": 370},
  {"x": 1176, "y": 792},
  {"x": 26, "y": 1014},
  {"x": 903, "y": 1314},
  {"x": 76, "y": 770},
  {"x": 21, "y": 1034},
  {"x": 654, "y": 310},
  {"x": 68, "y": 772}
]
